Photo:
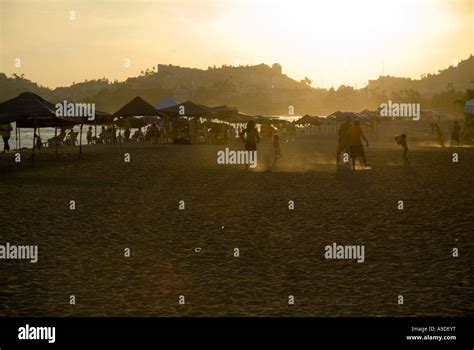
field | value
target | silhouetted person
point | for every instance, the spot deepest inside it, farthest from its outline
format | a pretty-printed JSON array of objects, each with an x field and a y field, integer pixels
[
  {"x": 5, "y": 131},
  {"x": 276, "y": 149},
  {"x": 402, "y": 141},
  {"x": 343, "y": 140},
  {"x": 439, "y": 135},
  {"x": 250, "y": 137},
  {"x": 456, "y": 134},
  {"x": 126, "y": 134},
  {"x": 357, "y": 149},
  {"x": 89, "y": 135},
  {"x": 154, "y": 133},
  {"x": 38, "y": 144}
]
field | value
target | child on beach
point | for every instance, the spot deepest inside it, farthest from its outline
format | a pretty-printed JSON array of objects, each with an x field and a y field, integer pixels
[
  {"x": 402, "y": 140},
  {"x": 276, "y": 150}
]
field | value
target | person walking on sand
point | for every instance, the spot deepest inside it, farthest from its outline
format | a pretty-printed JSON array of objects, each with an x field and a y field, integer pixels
[
  {"x": 251, "y": 138},
  {"x": 276, "y": 150},
  {"x": 455, "y": 134},
  {"x": 357, "y": 149},
  {"x": 402, "y": 141},
  {"x": 439, "y": 135},
  {"x": 343, "y": 140},
  {"x": 38, "y": 143},
  {"x": 89, "y": 135},
  {"x": 5, "y": 132}
]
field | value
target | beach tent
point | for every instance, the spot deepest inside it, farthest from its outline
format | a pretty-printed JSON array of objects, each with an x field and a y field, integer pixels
[
  {"x": 29, "y": 110},
  {"x": 244, "y": 118},
  {"x": 137, "y": 107},
  {"x": 224, "y": 112},
  {"x": 341, "y": 116},
  {"x": 166, "y": 102},
  {"x": 337, "y": 116},
  {"x": 370, "y": 114},
  {"x": 188, "y": 109},
  {"x": 469, "y": 107},
  {"x": 307, "y": 119},
  {"x": 261, "y": 119},
  {"x": 24, "y": 106},
  {"x": 131, "y": 122}
]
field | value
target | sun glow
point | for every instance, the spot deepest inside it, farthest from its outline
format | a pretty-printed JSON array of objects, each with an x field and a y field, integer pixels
[{"x": 332, "y": 42}]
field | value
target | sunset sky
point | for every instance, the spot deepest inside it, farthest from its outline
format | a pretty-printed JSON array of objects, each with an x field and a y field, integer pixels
[{"x": 332, "y": 42}]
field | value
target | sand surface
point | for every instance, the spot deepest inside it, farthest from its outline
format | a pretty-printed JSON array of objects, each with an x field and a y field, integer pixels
[{"x": 135, "y": 205}]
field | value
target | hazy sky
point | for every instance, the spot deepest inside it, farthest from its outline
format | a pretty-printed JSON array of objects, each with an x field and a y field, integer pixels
[{"x": 332, "y": 42}]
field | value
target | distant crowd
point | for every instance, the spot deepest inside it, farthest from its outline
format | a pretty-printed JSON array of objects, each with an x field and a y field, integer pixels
[
  {"x": 194, "y": 131},
  {"x": 350, "y": 136}
]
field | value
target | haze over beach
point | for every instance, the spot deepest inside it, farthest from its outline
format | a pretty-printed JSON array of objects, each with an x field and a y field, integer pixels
[
  {"x": 334, "y": 43},
  {"x": 237, "y": 158}
]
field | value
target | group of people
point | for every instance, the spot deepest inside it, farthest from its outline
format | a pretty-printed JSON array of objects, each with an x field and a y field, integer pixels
[
  {"x": 350, "y": 136},
  {"x": 191, "y": 131},
  {"x": 62, "y": 139},
  {"x": 251, "y": 138},
  {"x": 456, "y": 133}
]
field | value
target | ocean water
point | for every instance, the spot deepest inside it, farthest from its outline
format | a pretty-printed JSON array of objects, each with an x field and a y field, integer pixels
[{"x": 26, "y": 137}]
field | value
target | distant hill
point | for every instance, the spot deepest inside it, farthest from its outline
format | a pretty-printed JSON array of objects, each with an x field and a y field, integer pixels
[
  {"x": 460, "y": 77},
  {"x": 255, "y": 89}
]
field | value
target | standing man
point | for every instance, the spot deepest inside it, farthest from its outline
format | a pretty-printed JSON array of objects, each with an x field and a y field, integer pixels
[
  {"x": 5, "y": 131},
  {"x": 455, "y": 134},
  {"x": 357, "y": 149},
  {"x": 439, "y": 135},
  {"x": 343, "y": 140},
  {"x": 251, "y": 138}
]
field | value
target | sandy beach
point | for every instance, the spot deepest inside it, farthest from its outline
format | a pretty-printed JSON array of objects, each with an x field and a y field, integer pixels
[{"x": 136, "y": 205}]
